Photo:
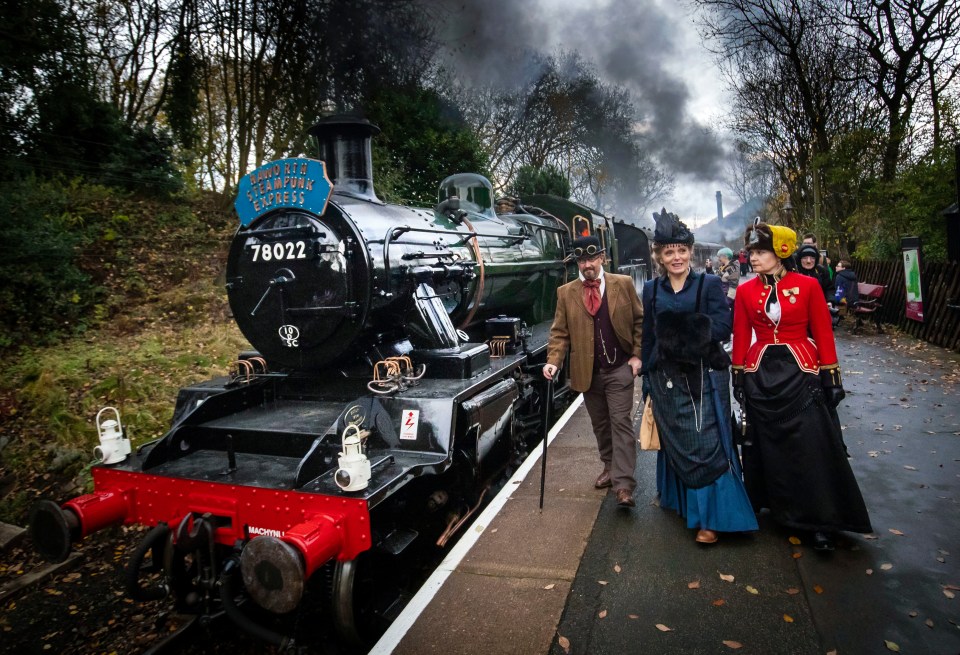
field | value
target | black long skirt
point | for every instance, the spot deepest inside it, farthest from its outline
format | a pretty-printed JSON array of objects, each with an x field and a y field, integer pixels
[{"x": 796, "y": 465}]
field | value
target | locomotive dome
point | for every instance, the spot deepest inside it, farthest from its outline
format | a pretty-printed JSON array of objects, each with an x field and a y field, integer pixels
[{"x": 475, "y": 193}]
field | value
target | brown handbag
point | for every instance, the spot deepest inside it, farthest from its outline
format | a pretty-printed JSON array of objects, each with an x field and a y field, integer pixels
[{"x": 649, "y": 438}]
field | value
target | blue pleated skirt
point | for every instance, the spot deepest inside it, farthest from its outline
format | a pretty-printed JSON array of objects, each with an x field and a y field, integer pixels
[{"x": 722, "y": 505}]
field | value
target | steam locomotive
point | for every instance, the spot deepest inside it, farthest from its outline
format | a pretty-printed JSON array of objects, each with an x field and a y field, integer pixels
[{"x": 394, "y": 385}]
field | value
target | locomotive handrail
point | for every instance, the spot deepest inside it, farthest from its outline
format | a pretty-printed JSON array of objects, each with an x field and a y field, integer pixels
[
  {"x": 395, "y": 232},
  {"x": 424, "y": 255},
  {"x": 563, "y": 229},
  {"x": 292, "y": 228},
  {"x": 347, "y": 308}
]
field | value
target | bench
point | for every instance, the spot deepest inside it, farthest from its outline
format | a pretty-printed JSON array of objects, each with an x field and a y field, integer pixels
[{"x": 868, "y": 305}]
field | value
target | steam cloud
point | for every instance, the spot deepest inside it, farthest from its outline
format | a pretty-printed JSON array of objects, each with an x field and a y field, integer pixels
[{"x": 631, "y": 42}]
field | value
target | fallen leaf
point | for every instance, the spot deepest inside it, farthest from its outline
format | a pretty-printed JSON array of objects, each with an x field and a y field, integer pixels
[
  {"x": 891, "y": 646},
  {"x": 869, "y": 571},
  {"x": 817, "y": 588},
  {"x": 726, "y": 577},
  {"x": 795, "y": 541},
  {"x": 832, "y": 652},
  {"x": 797, "y": 555},
  {"x": 929, "y": 623},
  {"x": 550, "y": 586},
  {"x": 793, "y": 591},
  {"x": 732, "y": 644},
  {"x": 949, "y": 594},
  {"x": 663, "y": 628},
  {"x": 602, "y": 581},
  {"x": 752, "y": 590},
  {"x": 718, "y": 602},
  {"x": 693, "y": 585},
  {"x": 633, "y": 616},
  {"x": 911, "y": 468},
  {"x": 788, "y": 618},
  {"x": 616, "y": 567},
  {"x": 870, "y": 536},
  {"x": 602, "y": 614},
  {"x": 952, "y": 587},
  {"x": 896, "y": 532},
  {"x": 564, "y": 643},
  {"x": 913, "y": 614},
  {"x": 886, "y": 566}
]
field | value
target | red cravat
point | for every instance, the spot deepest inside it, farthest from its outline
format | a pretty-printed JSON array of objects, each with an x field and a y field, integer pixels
[{"x": 591, "y": 296}]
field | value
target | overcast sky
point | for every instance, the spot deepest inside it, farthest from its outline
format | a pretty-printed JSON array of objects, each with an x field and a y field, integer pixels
[{"x": 650, "y": 47}]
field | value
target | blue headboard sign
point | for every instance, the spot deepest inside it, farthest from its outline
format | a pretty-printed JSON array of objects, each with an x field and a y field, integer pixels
[{"x": 295, "y": 183}]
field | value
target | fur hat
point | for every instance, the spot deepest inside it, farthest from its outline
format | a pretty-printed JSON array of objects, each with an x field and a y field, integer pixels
[
  {"x": 808, "y": 250},
  {"x": 670, "y": 229},
  {"x": 780, "y": 240}
]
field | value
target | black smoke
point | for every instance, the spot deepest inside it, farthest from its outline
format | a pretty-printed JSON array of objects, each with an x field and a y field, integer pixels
[{"x": 634, "y": 44}]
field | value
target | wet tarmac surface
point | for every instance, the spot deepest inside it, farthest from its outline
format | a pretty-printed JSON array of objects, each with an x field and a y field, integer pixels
[{"x": 892, "y": 591}]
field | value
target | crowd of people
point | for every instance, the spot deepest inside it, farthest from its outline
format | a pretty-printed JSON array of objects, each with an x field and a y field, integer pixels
[{"x": 785, "y": 455}]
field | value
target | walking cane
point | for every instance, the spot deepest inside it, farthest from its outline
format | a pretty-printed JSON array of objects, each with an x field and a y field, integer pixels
[{"x": 547, "y": 402}]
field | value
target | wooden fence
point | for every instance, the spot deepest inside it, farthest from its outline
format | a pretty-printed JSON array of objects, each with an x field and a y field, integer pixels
[{"x": 941, "y": 299}]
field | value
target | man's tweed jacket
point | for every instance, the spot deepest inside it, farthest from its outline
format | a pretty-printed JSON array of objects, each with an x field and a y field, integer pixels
[{"x": 573, "y": 326}]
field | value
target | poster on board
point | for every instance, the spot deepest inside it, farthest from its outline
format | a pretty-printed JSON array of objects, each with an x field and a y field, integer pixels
[{"x": 910, "y": 246}]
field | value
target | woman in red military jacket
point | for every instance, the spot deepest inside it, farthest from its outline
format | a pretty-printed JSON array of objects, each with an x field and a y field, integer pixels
[{"x": 788, "y": 382}]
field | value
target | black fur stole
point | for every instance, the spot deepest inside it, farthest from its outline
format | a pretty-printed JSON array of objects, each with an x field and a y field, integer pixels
[{"x": 683, "y": 341}]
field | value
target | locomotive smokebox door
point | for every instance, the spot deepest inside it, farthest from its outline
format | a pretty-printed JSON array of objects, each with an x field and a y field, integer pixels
[{"x": 505, "y": 329}]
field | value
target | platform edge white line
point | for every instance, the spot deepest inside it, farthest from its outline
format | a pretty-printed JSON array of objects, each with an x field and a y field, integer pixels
[{"x": 398, "y": 629}]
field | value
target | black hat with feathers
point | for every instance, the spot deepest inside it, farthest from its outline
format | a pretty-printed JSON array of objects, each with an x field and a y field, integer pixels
[{"x": 670, "y": 229}]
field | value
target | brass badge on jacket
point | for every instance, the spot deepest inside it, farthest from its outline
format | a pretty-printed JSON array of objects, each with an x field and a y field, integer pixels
[{"x": 792, "y": 294}]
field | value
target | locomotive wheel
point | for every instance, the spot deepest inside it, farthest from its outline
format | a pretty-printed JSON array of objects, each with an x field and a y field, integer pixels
[{"x": 365, "y": 597}]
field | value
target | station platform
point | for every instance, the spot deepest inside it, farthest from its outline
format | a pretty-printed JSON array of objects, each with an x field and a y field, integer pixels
[{"x": 587, "y": 577}]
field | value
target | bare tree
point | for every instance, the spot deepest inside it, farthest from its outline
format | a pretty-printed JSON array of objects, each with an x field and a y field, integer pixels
[
  {"x": 751, "y": 174},
  {"x": 799, "y": 97},
  {"x": 910, "y": 48},
  {"x": 130, "y": 43},
  {"x": 563, "y": 116}
]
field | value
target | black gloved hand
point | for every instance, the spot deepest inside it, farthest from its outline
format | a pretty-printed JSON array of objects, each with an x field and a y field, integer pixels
[
  {"x": 834, "y": 395},
  {"x": 737, "y": 377},
  {"x": 644, "y": 387},
  {"x": 832, "y": 385}
]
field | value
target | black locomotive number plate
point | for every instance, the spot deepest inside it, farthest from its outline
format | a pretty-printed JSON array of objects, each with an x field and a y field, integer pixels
[{"x": 282, "y": 251}]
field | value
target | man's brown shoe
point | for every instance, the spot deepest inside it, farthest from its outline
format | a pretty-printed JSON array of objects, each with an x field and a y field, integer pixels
[
  {"x": 604, "y": 480},
  {"x": 625, "y": 498}
]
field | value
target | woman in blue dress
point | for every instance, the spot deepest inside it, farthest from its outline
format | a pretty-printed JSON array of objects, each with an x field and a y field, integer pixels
[{"x": 686, "y": 373}]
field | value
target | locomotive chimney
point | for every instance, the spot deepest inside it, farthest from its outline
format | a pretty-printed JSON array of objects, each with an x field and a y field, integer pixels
[
  {"x": 345, "y": 147},
  {"x": 719, "y": 208}
]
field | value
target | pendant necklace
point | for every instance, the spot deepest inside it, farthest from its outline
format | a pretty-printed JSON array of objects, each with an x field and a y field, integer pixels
[{"x": 697, "y": 418}]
